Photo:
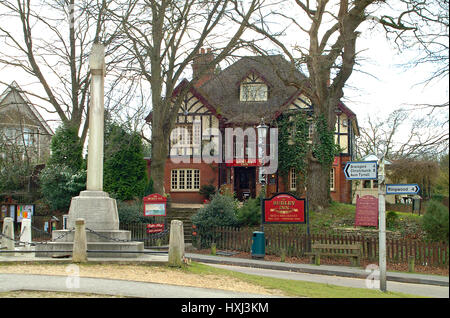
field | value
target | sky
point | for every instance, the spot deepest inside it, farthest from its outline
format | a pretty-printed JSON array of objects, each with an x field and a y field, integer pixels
[{"x": 382, "y": 87}]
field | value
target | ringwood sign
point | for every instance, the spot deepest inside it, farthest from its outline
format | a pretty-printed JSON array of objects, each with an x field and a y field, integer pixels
[{"x": 402, "y": 188}]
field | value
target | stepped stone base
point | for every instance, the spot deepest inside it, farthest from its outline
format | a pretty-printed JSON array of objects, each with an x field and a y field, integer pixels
[
  {"x": 101, "y": 240},
  {"x": 98, "y": 210},
  {"x": 102, "y": 230},
  {"x": 117, "y": 250}
]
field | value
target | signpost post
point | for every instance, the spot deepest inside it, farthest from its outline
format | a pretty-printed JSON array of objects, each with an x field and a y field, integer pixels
[
  {"x": 373, "y": 170},
  {"x": 382, "y": 224}
]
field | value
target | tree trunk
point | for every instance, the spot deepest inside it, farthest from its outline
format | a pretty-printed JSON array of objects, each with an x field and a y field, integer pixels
[
  {"x": 159, "y": 157},
  {"x": 318, "y": 185}
]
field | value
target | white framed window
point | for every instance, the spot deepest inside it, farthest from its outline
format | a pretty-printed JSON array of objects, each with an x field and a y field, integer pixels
[
  {"x": 252, "y": 92},
  {"x": 293, "y": 179},
  {"x": 332, "y": 180},
  {"x": 181, "y": 140},
  {"x": 28, "y": 137},
  {"x": 185, "y": 180}
]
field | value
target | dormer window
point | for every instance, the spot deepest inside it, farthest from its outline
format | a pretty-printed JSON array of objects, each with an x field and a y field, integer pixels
[
  {"x": 253, "y": 88},
  {"x": 253, "y": 92}
]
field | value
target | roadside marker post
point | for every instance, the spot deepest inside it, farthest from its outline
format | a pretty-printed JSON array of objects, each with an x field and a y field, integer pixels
[{"x": 382, "y": 223}]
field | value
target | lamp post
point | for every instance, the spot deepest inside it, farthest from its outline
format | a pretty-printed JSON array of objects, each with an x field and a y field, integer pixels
[{"x": 262, "y": 135}]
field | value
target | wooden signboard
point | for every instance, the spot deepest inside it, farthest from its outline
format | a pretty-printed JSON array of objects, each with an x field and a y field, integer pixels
[
  {"x": 284, "y": 208},
  {"x": 366, "y": 211},
  {"x": 155, "y": 228},
  {"x": 155, "y": 205}
]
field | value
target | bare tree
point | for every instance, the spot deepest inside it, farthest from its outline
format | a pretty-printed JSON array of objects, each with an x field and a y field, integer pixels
[
  {"x": 164, "y": 37},
  {"x": 425, "y": 138},
  {"x": 430, "y": 43},
  {"x": 50, "y": 40},
  {"x": 331, "y": 29}
]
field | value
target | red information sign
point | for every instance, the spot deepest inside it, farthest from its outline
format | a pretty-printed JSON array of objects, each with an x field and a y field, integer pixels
[
  {"x": 366, "y": 211},
  {"x": 155, "y": 205},
  {"x": 284, "y": 208},
  {"x": 155, "y": 228}
]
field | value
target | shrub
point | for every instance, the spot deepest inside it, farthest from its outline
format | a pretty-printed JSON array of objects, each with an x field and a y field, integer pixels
[
  {"x": 391, "y": 219},
  {"x": 66, "y": 148},
  {"x": 125, "y": 170},
  {"x": 250, "y": 213},
  {"x": 149, "y": 188},
  {"x": 130, "y": 212},
  {"x": 435, "y": 221},
  {"x": 208, "y": 190},
  {"x": 64, "y": 176},
  {"x": 59, "y": 183},
  {"x": 221, "y": 211}
]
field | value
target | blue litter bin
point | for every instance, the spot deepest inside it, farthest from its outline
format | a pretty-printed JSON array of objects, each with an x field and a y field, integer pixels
[{"x": 258, "y": 245}]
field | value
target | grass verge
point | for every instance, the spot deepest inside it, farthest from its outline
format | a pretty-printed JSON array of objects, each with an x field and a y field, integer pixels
[{"x": 297, "y": 288}]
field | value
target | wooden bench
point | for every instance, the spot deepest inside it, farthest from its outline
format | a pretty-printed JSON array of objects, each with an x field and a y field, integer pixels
[{"x": 353, "y": 251}]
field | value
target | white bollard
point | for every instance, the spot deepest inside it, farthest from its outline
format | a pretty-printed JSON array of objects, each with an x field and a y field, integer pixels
[
  {"x": 25, "y": 234},
  {"x": 176, "y": 243},
  {"x": 79, "y": 254},
  {"x": 8, "y": 230}
]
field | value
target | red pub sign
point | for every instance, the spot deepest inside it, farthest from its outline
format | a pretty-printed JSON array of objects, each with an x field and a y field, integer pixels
[
  {"x": 155, "y": 228},
  {"x": 284, "y": 208},
  {"x": 244, "y": 162}
]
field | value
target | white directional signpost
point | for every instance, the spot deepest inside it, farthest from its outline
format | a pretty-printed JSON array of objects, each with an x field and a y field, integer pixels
[
  {"x": 361, "y": 170},
  {"x": 402, "y": 188},
  {"x": 368, "y": 170}
]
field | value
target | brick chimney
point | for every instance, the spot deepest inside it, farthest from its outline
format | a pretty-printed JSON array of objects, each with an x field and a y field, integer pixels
[{"x": 202, "y": 67}]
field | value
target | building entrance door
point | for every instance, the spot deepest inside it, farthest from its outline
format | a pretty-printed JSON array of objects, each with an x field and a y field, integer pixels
[{"x": 244, "y": 182}]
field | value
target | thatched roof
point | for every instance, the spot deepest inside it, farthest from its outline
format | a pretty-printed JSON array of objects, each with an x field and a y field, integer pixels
[{"x": 222, "y": 91}]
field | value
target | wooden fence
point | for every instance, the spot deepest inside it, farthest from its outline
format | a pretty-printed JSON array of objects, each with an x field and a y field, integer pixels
[
  {"x": 295, "y": 244},
  {"x": 139, "y": 233}
]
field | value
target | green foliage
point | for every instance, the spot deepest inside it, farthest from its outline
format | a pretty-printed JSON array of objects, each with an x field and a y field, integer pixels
[
  {"x": 64, "y": 176},
  {"x": 221, "y": 211},
  {"x": 325, "y": 150},
  {"x": 66, "y": 148},
  {"x": 208, "y": 190},
  {"x": 442, "y": 182},
  {"x": 131, "y": 212},
  {"x": 293, "y": 137},
  {"x": 293, "y": 144},
  {"x": 125, "y": 170},
  {"x": 435, "y": 221},
  {"x": 391, "y": 219},
  {"x": 149, "y": 188},
  {"x": 59, "y": 183},
  {"x": 14, "y": 173},
  {"x": 250, "y": 213}
]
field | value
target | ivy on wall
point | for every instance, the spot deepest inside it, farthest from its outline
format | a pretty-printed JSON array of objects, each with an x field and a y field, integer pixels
[
  {"x": 294, "y": 145},
  {"x": 325, "y": 150}
]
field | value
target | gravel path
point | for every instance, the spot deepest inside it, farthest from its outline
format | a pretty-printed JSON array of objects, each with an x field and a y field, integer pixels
[{"x": 147, "y": 274}]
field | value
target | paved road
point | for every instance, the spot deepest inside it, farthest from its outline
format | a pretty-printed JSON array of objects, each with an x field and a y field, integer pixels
[
  {"x": 413, "y": 289},
  {"x": 11, "y": 282}
]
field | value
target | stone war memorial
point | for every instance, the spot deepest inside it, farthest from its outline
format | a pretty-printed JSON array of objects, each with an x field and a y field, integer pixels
[{"x": 94, "y": 206}]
